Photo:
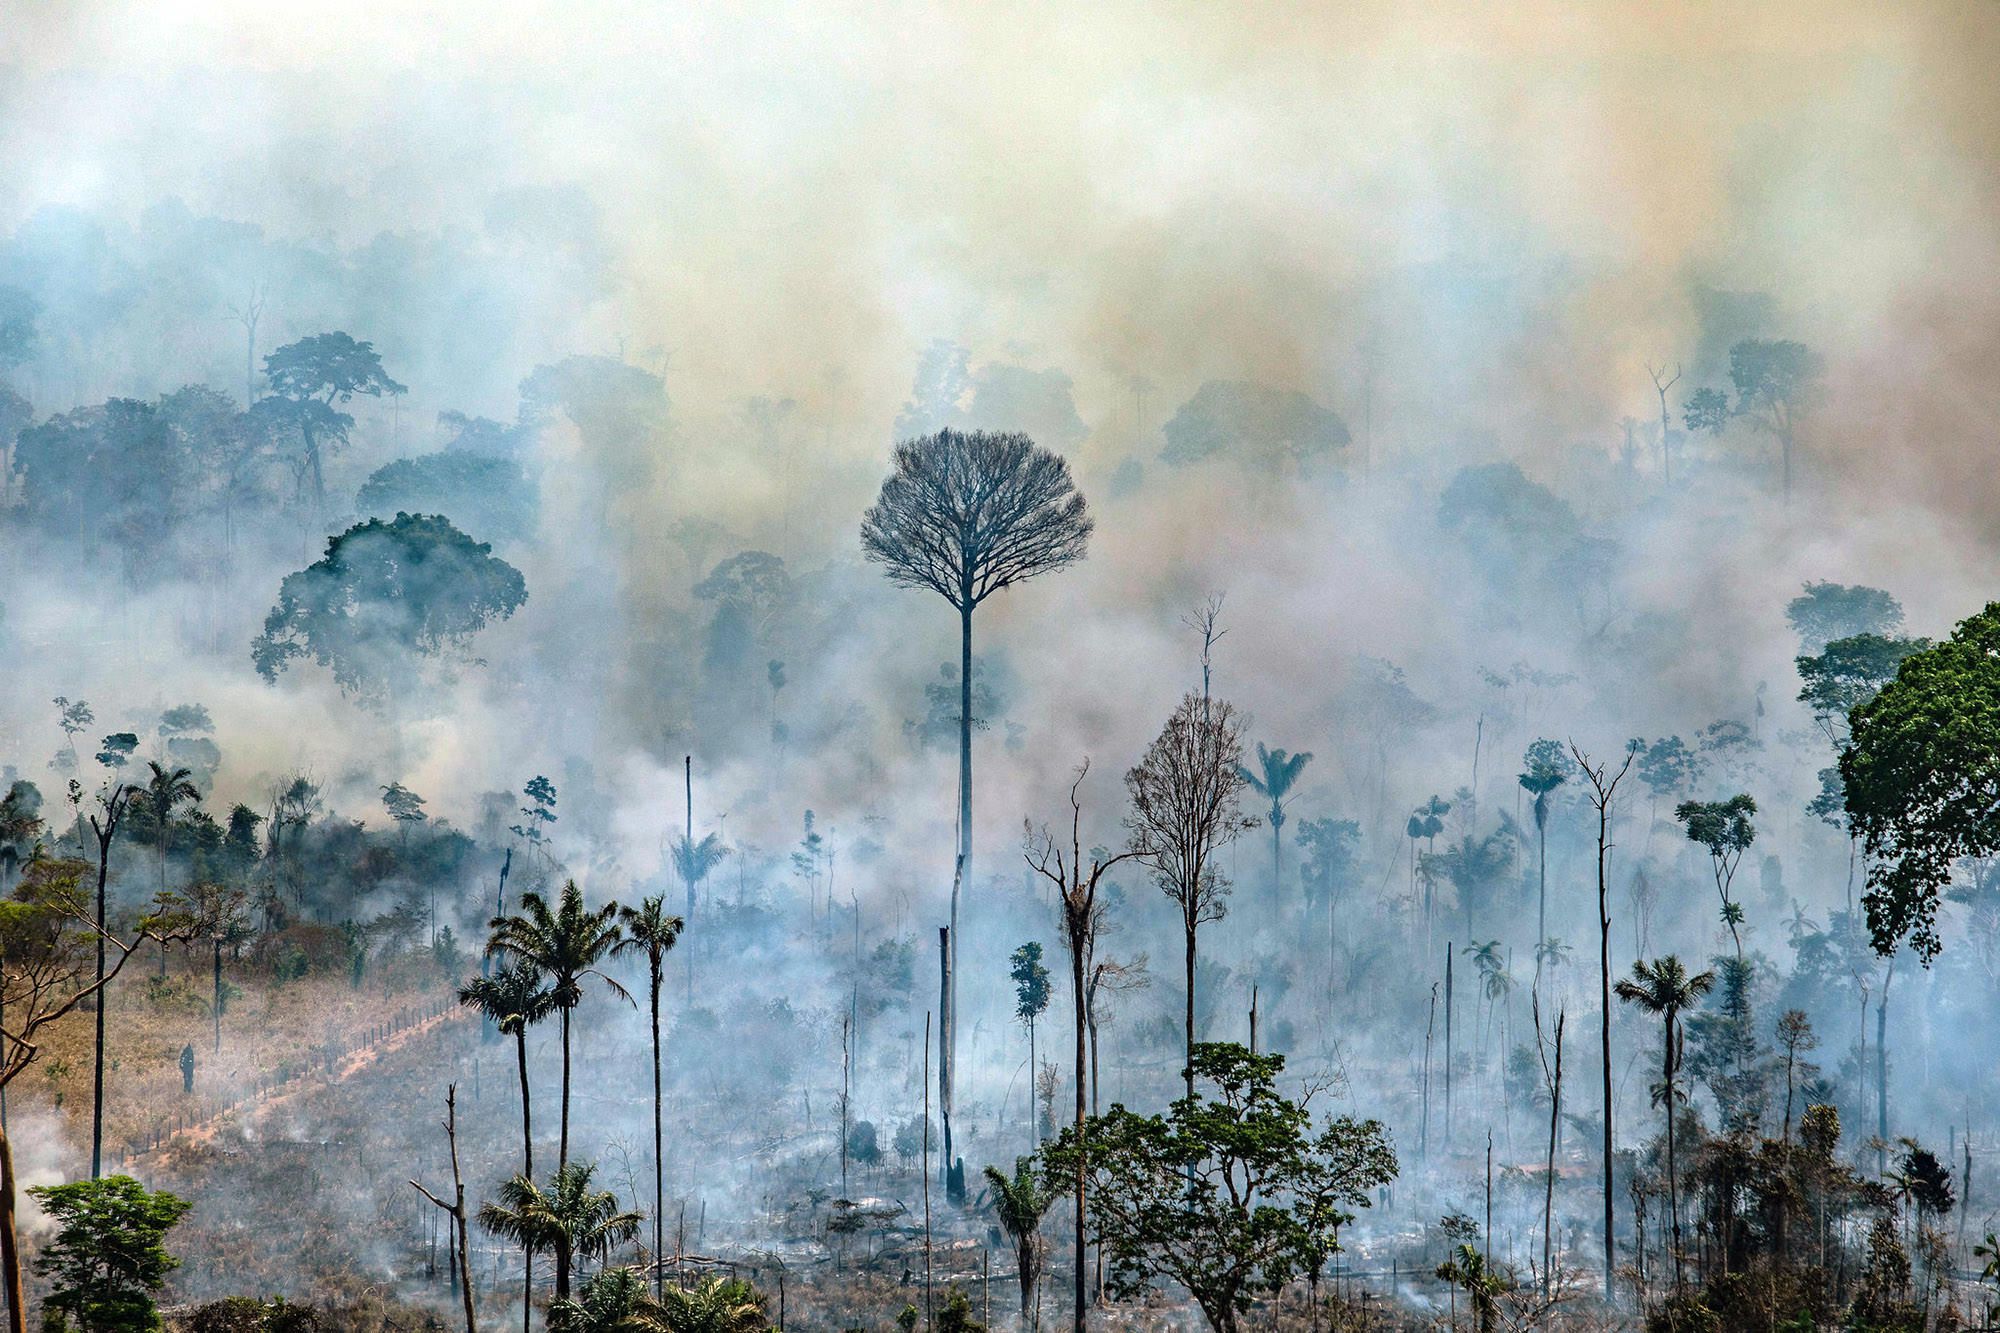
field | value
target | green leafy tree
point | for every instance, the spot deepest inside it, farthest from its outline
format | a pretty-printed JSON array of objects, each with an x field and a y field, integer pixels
[
  {"x": 108, "y": 1255},
  {"x": 1230, "y": 1195},
  {"x": 563, "y": 945},
  {"x": 387, "y": 595},
  {"x": 714, "y": 1305},
  {"x": 1020, "y": 1202},
  {"x": 1466, "y": 1271},
  {"x": 1663, "y": 987},
  {"x": 569, "y": 1218},
  {"x": 1921, "y": 772},
  {"x": 1725, "y": 830},
  {"x": 1031, "y": 992},
  {"x": 612, "y": 1300},
  {"x": 404, "y": 806}
]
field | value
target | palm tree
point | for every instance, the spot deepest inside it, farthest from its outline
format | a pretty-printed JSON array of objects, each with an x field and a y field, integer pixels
[
  {"x": 1467, "y": 1268},
  {"x": 563, "y": 947},
  {"x": 610, "y": 1302},
  {"x": 693, "y": 862},
  {"x": 1664, "y": 987},
  {"x": 1280, "y": 771},
  {"x": 719, "y": 1305},
  {"x": 569, "y": 1218},
  {"x": 1020, "y": 1202},
  {"x": 167, "y": 789},
  {"x": 514, "y": 999},
  {"x": 650, "y": 930},
  {"x": 1546, "y": 771}
]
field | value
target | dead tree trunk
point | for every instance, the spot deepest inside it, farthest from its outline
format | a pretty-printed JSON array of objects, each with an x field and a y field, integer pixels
[{"x": 462, "y": 1253}]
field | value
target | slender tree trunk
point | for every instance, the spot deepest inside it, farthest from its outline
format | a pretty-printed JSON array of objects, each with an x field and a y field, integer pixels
[
  {"x": 218, "y": 995},
  {"x": 962, "y": 874},
  {"x": 562, "y": 1147},
  {"x": 1078, "y": 994},
  {"x": 1673, "y": 1164},
  {"x": 527, "y": 1119},
  {"x": 1542, "y": 892},
  {"x": 659, "y": 1162},
  {"x": 10, "y": 1240},
  {"x": 1549, "y": 1184},
  {"x": 1604, "y": 1032},
  {"x": 102, "y": 998},
  {"x": 1187, "y": 1071}
]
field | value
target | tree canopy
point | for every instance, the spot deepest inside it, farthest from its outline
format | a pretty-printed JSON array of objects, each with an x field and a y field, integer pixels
[
  {"x": 1233, "y": 1192},
  {"x": 1922, "y": 776},
  {"x": 967, "y": 513},
  {"x": 385, "y": 595},
  {"x": 1255, "y": 422}
]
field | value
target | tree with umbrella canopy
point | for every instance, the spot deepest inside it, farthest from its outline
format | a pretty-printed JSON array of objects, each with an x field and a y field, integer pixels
[{"x": 967, "y": 514}]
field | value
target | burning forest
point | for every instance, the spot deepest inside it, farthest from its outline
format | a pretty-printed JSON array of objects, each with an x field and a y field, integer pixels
[{"x": 812, "y": 667}]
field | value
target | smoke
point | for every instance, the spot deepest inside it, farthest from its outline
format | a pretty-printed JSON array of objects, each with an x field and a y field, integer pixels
[{"x": 1471, "y": 236}]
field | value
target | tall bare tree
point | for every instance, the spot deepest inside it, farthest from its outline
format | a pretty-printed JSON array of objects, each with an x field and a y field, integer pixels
[
  {"x": 1081, "y": 915},
  {"x": 1603, "y": 790},
  {"x": 966, "y": 514},
  {"x": 1186, "y": 805}
]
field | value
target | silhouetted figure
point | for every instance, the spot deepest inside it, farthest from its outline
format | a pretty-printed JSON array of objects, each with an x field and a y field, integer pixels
[{"x": 187, "y": 1068}]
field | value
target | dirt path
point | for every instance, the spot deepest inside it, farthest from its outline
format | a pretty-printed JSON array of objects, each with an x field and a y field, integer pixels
[{"x": 253, "y": 1108}]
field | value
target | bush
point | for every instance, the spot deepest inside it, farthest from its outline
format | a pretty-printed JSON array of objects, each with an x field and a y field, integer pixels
[{"x": 244, "y": 1314}]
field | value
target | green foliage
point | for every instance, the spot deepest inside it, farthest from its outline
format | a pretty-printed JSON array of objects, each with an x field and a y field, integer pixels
[
  {"x": 1667, "y": 766},
  {"x": 1847, "y": 674},
  {"x": 609, "y": 1302},
  {"x": 1501, "y": 511},
  {"x": 955, "y": 1315},
  {"x": 385, "y": 594},
  {"x": 717, "y": 1305},
  {"x": 1467, "y": 1270},
  {"x": 1031, "y": 982},
  {"x": 568, "y": 1218},
  {"x": 1230, "y": 1194},
  {"x": 1921, "y": 771},
  {"x": 108, "y": 1255},
  {"x": 246, "y": 1314}
]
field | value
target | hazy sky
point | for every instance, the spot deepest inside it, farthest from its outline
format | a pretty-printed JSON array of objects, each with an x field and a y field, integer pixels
[{"x": 805, "y": 194}]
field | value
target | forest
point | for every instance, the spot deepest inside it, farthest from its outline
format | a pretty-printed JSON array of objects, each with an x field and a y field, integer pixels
[{"x": 1185, "y": 673}]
